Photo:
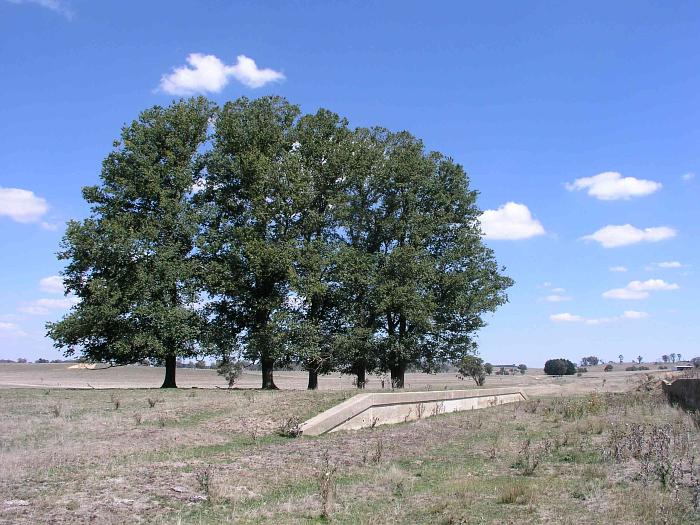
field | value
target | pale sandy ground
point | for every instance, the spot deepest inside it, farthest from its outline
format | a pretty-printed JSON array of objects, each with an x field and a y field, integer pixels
[{"x": 535, "y": 382}]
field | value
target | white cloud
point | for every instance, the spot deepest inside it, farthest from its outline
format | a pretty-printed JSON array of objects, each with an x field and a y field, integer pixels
[
  {"x": 512, "y": 221},
  {"x": 667, "y": 264},
  {"x": 53, "y": 284},
  {"x": 625, "y": 293},
  {"x": 613, "y": 236},
  {"x": 566, "y": 318},
  {"x": 44, "y": 306},
  {"x": 573, "y": 318},
  {"x": 618, "y": 269},
  {"x": 556, "y": 298},
  {"x": 208, "y": 74},
  {"x": 634, "y": 314},
  {"x": 687, "y": 177},
  {"x": 22, "y": 205},
  {"x": 636, "y": 290},
  {"x": 611, "y": 185},
  {"x": 57, "y": 6},
  {"x": 558, "y": 290}
]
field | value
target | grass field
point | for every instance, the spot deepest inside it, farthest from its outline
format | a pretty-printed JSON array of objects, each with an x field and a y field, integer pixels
[{"x": 217, "y": 456}]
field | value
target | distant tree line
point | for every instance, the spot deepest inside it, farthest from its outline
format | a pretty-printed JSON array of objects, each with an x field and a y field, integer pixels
[{"x": 251, "y": 231}]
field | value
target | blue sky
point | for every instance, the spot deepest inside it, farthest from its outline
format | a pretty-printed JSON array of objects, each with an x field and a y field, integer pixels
[{"x": 578, "y": 124}]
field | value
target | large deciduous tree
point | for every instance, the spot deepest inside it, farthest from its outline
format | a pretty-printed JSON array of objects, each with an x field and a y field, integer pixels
[
  {"x": 413, "y": 216},
  {"x": 130, "y": 264},
  {"x": 323, "y": 150},
  {"x": 248, "y": 244}
]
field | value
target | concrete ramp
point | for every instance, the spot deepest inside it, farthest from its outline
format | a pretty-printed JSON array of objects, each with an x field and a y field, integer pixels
[
  {"x": 369, "y": 410},
  {"x": 685, "y": 391}
]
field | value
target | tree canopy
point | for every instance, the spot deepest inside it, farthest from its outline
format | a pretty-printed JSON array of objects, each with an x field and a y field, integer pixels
[
  {"x": 130, "y": 263},
  {"x": 254, "y": 230}
]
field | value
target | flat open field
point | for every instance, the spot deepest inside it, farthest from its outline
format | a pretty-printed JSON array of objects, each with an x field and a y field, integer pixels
[
  {"x": 535, "y": 382},
  {"x": 206, "y": 456}
]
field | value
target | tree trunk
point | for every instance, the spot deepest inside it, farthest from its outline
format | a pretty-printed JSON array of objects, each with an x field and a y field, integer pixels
[
  {"x": 361, "y": 376},
  {"x": 268, "y": 382},
  {"x": 170, "y": 367},
  {"x": 397, "y": 375},
  {"x": 313, "y": 379}
]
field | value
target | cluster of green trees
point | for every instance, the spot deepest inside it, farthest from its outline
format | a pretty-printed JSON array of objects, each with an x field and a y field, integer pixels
[
  {"x": 559, "y": 367},
  {"x": 253, "y": 231}
]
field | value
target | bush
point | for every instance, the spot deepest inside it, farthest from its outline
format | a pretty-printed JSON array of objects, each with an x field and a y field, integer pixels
[
  {"x": 581, "y": 370},
  {"x": 472, "y": 366},
  {"x": 608, "y": 368},
  {"x": 559, "y": 367},
  {"x": 636, "y": 368},
  {"x": 488, "y": 368},
  {"x": 522, "y": 368},
  {"x": 230, "y": 370}
]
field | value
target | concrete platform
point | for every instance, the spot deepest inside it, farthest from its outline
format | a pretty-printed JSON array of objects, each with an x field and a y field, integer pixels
[{"x": 369, "y": 410}]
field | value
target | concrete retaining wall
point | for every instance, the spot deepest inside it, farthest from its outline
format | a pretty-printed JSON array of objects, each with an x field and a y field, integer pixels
[
  {"x": 369, "y": 410},
  {"x": 684, "y": 391}
]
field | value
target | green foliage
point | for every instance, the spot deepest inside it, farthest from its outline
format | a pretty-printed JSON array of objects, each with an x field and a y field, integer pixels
[
  {"x": 303, "y": 241},
  {"x": 488, "y": 368},
  {"x": 590, "y": 361},
  {"x": 230, "y": 370},
  {"x": 559, "y": 367},
  {"x": 130, "y": 263},
  {"x": 522, "y": 368},
  {"x": 472, "y": 366}
]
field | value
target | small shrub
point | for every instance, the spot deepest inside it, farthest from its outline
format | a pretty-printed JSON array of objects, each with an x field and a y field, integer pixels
[
  {"x": 608, "y": 368},
  {"x": 290, "y": 427},
  {"x": 56, "y": 410},
  {"x": 138, "y": 418},
  {"x": 116, "y": 401},
  {"x": 528, "y": 459},
  {"x": 207, "y": 484},
  {"x": 230, "y": 370},
  {"x": 636, "y": 368},
  {"x": 378, "y": 451},
  {"x": 152, "y": 402},
  {"x": 326, "y": 485}
]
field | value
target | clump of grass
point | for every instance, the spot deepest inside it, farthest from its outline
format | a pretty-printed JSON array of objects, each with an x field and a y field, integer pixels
[
  {"x": 592, "y": 472},
  {"x": 138, "y": 418},
  {"x": 515, "y": 493},
  {"x": 56, "y": 410},
  {"x": 153, "y": 401}
]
